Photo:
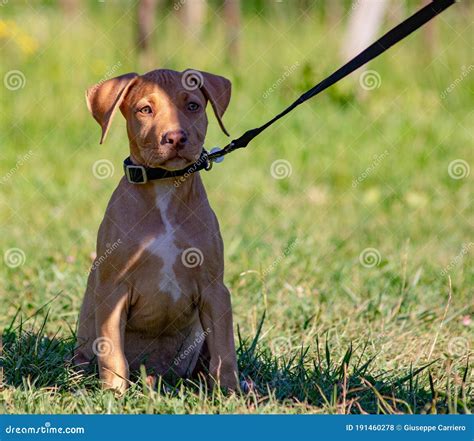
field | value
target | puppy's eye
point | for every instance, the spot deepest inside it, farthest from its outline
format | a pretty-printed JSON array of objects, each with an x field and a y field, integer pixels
[
  {"x": 146, "y": 110},
  {"x": 192, "y": 106}
]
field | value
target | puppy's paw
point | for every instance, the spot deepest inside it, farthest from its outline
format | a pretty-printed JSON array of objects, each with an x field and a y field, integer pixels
[
  {"x": 151, "y": 381},
  {"x": 115, "y": 384}
]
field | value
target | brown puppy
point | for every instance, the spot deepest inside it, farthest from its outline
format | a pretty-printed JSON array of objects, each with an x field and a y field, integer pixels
[{"x": 155, "y": 295}]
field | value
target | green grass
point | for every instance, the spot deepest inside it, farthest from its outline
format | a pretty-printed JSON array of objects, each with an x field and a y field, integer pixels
[{"x": 337, "y": 336}]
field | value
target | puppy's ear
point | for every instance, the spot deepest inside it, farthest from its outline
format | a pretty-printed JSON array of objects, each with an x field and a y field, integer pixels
[
  {"x": 216, "y": 89},
  {"x": 104, "y": 98}
]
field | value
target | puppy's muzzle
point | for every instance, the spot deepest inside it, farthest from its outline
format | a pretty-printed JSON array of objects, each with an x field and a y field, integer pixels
[{"x": 176, "y": 139}]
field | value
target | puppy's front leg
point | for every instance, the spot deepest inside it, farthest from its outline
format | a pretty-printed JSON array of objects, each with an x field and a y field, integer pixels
[
  {"x": 216, "y": 319},
  {"x": 110, "y": 323}
]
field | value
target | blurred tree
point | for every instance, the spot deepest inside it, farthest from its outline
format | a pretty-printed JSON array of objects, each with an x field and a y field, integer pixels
[
  {"x": 146, "y": 18},
  {"x": 232, "y": 23},
  {"x": 335, "y": 11},
  {"x": 69, "y": 7},
  {"x": 365, "y": 20},
  {"x": 194, "y": 16},
  {"x": 364, "y": 23},
  {"x": 429, "y": 31}
]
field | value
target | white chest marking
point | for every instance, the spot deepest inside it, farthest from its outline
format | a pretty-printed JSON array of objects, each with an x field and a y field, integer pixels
[{"x": 164, "y": 247}]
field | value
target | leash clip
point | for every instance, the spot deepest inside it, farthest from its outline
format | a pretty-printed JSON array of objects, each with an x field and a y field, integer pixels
[
  {"x": 207, "y": 161},
  {"x": 216, "y": 159},
  {"x": 208, "y": 165}
]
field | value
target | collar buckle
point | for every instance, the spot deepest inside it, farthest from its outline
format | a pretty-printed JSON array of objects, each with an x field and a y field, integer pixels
[{"x": 136, "y": 174}]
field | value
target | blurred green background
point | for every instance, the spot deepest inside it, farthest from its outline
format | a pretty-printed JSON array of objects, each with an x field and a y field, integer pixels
[{"x": 387, "y": 168}]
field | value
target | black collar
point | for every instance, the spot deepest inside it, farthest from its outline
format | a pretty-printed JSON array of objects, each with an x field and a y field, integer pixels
[{"x": 139, "y": 174}]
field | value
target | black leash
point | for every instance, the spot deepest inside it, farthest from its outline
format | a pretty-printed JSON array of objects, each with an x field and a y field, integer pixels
[
  {"x": 138, "y": 174},
  {"x": 392, "y": 37}
]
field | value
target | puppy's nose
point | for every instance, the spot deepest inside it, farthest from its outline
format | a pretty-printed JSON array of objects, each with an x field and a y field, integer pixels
[{"x": 175, "y": 138}]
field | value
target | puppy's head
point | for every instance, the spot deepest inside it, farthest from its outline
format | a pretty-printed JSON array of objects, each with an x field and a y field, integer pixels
[{"x": 164, "y": 110}]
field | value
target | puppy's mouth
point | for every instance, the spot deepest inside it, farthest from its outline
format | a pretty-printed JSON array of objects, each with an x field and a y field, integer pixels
[
  {"x": 176, "y": 162},
  {"x": 173, "y": 160}
]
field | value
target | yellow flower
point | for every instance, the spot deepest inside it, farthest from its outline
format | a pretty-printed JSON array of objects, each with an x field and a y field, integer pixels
[{"x": 9, "y": 30}]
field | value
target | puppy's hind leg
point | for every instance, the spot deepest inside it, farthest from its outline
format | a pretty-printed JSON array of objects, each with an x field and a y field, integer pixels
[{"x": 110, "y": 321}]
